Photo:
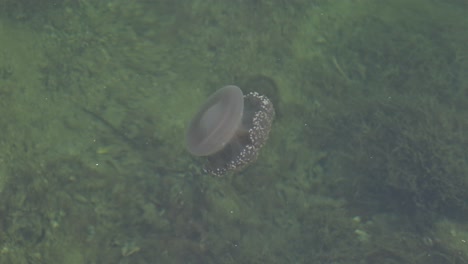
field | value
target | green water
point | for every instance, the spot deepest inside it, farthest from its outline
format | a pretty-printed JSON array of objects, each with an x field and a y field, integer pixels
[{"x": 366, "y": 161}]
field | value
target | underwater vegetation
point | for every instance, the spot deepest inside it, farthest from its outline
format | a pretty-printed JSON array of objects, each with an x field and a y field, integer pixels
[
  {"x": 366, "y": 160},
  {"x": 399, "y": 129},
  {"x": 405, "y": 136}
]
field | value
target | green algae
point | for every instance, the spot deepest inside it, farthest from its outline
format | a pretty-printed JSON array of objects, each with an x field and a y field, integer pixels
[{"x": 368, "y": 150}]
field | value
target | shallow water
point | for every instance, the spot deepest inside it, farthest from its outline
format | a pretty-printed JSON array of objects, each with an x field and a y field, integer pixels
[{"x": 365, "y": 163}]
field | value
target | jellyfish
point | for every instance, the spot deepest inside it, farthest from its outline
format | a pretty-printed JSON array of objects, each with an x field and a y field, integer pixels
[{"x": 230, "y": 129}]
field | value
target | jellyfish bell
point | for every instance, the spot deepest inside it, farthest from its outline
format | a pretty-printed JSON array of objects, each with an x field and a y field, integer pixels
[
  {"x": 230, "y": 129},
  {"x": 216, "y": 122}
]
